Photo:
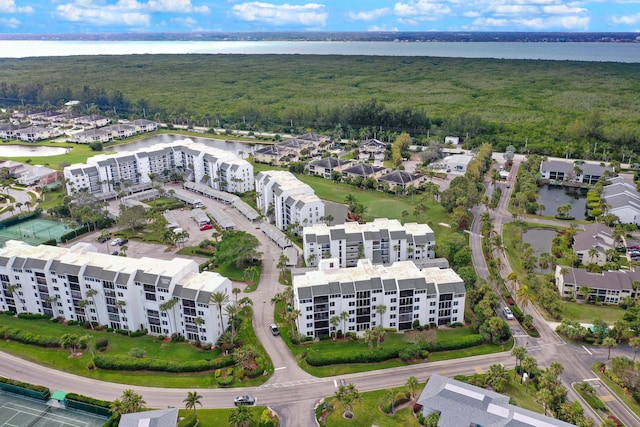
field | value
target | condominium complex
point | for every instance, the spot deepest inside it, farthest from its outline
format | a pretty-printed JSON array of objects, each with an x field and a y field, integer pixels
[
  {"x": 286, "y": 201},
  {"x": 382, "y": 241},
  {"x": 105, "y": 175},
  {"x": 78, "y": 283},
  {"x": 431, "y": 295}
]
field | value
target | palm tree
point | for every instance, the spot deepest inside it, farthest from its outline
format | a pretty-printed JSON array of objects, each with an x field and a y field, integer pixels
[
  {"x": 609, "y": 343},
  {"x": 335, "y": 321},
  {"x": 381, "y": 309},
  {"x": 170, "y": 305},
  {"x": 241, "y": 416},
  {"x": 132, "y": 401},
  {"x": 292, "y": 318},
  {"x": 193, "y": 399},
  {"x": 347, "y": 396},
  {"x": 379, "y": 333},
  {"x": 232, "y": 313},
  {"x": 593, "y": 253},
  {"x": 412, "y": 384},
  {"x": 235, "y": 292},
  {"x": 119, "y": 305},
  {"x": 368, "y": 336},
  {"x": 344, "y": 316},
  {"x": 82, "y": 305},
  {"x": 91, "y": 293},
  {"x": 524, "y": 296},
  {"x": 219, "y": 299},
  {"x": 519, "y": 353}
]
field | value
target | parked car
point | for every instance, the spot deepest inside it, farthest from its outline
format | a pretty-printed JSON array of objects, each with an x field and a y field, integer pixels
[
  {"x": 103, "y": 239},
  {"x": 116, "y": 241},
  {"x": 114, "y": 253},
  {"x": 507, "y": 313},
  {"x": 244, "y": 400},
  {"x": 123, "y": 242},
  {"x": 206, "y": 227},
  {"x": 274, "y": 329}
]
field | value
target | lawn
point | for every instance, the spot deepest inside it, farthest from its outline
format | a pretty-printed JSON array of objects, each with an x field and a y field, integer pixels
[
  {"x": 519, "y": 396},
  {"x": 120, "y": 345},
  {"x": 367, "y": 412},
  {"x": 586, "y": 313},
  {"x": 217, "y": 417}
]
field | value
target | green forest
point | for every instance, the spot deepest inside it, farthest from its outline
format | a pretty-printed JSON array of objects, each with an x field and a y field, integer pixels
[{"x": 580, "y": 109}]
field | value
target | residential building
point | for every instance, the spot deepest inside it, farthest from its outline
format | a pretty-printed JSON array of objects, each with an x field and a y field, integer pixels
[
  {"x": 27, "y": 174},
  {"x": 463, "y": 405},
  {"x": 122, "y": 130},
  {"x": 364, "y": 171},
  {"x": 325, "y": 167},
  {"x": 8, "y": 130},
  {"x": 93, "y": 135},
  {"x": 432, "y": 295},
  {"x": 144, "y": 125},
  {"x": 291, "y": 150},
  {"x": 156, "y": 418},
  {"x": 400, "y": 179},
  {"x": 92, "y": 121},
  {"x": 34, "y": 133},
  {"x": 565, "y": 170},
  {"x": 286, "y": 201},
  {"x": 623, "y": 200},
  {"x": 592, "y": 243},
  {"x": 383, "y": 241},
  {"x": 128, "y": 293},
  {"x": 108, "y": 174},
  {"x": 607, "y": 287},
  {"x": 372, "y": 149},
  {"x": 274, "y": 155}
]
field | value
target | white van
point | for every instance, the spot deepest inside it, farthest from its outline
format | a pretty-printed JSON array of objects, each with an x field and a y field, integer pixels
[{"x": 508, "y": 314}]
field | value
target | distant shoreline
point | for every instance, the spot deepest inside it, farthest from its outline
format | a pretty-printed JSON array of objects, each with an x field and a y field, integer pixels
[{"x": 418, "y": 36}]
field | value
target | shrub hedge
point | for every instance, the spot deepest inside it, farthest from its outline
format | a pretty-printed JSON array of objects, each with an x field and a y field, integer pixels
[
  {"x": 31, "y": 316},
  {"x": 38, "y": 388},
  {"x": 24, "y": 337},
  {"x": 316, "y": 358},
  {"x": 86, "y": 399},
  {"x": 125, "y": 363}
]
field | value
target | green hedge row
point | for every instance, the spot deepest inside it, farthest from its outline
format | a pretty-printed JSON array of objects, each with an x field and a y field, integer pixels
[
  {"x": 17, "y": 219},
  {"x": 32, "y": 316},
  {"x": 126, "y": 363},
  {"x": 85, "y": 399},
  {"x": 316, "y": 358},
  {"x": 24, "y": 337},
  {"x": 38, "y": 388},
  {"x": 74, "y": 233}
]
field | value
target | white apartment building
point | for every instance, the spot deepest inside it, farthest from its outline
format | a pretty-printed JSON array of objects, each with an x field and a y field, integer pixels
[
  {"x": 129, "y": 292},
  {"x": 382, "y": 241},
  {"x": 287, "y": 200},
  {"x": 218, "y": 169},
  {"x": 431, "y": 295}
]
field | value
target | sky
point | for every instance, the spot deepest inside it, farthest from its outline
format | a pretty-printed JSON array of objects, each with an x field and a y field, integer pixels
[{"x": 113, "y": 16}]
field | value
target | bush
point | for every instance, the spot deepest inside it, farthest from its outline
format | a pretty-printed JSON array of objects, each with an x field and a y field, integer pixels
[
  {"x": 137, "y": 353},
  {"x": 24, "y": 337},
  {"x": 225, "y": 381},
  {"x": 32, "y": 316},
  {"x": 125, "y": 363},
  {"x": 86, "y": 324},
  {"x": 268, "y": 419},
  {"x": 102, "y": 343},
  {"x": 38, "y": 388}
]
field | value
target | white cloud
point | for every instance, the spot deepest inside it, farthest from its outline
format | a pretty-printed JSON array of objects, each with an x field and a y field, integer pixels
[
  {"x": 626, "y": 19},
  {"x": 377, "y": 28},
  {"x": 563, "y": 9},
  {"x": 420, "y": 9},
  {"x": 177, "y": 6},
  {"x": 369, "y": 15},
  {"x": 10, "y": 23},
  {"x": 308, "y": 15},
  {"x": 513, "y": 9},
  {"x": 186, "y": 22},
  {"x": 102, "y": 16},
  {"x": 9, "y": 6}
]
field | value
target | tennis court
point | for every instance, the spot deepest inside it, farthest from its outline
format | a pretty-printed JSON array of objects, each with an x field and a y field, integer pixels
[
  {"x": 33, "y": 231},
  {"x": 18, "y": 412}
]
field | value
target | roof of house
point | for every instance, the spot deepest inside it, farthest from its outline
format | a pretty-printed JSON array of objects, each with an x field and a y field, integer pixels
[
  {"x": 568, "y": 166},
  {"x": 400, "y": 177},
  {"x": 372, "y": 144},
  {"x": 461, "y": 404},
  {"x": 329, "y": 162},
  {"x": 157, "y": 418},
  {"x": 363, "y": 169},
  {"x": 610, "y": 280},
  {"x": 596, "y": 236}
]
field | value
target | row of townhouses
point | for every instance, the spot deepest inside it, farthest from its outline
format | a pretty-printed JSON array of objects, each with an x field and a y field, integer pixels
[
  {"x": 27, "y": 174},
  {"x": 92, "y": 128},
  {"x": 382, "y": 241},
  {"x": 430, "y": 295},
  {"x": 286, "y": 201},
  {"x": 103, "y": 175},
  {"x": 623, "y": 200},
  {"x": 580, "y": 172},
  {"x": 608, "y": 287},
  {"x": 78, "y": 283},
  {"x": 292, "y": 150}
]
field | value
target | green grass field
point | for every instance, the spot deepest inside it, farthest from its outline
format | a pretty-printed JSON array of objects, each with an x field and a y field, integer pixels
[
  {"x": 586, "y": 313},
  {"x": 121, "y": 344}
]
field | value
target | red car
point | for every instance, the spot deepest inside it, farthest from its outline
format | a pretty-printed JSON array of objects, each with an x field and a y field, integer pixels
[{"x": 206, "y": 227}]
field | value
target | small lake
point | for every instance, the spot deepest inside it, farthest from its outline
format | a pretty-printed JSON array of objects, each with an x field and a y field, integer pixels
[
  {"x": 31, "y": 151},
  {"x": 233, "y": 146},
  {"x": 540, "y": 239},
  {"x": 552, "y": 196}
]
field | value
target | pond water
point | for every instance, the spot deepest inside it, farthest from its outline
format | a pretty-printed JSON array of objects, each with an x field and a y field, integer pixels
[
  {"x": 31, "y": 151},
  {"x": 233, "y": 146},
  {"x": 540, "y": 239},
  {"x": 552, "y": 196}
]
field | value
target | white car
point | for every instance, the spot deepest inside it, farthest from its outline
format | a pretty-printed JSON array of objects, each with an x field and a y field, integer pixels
[
  {"x": 508, "y": 314},
  {"x": 115, "y": 241}
]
